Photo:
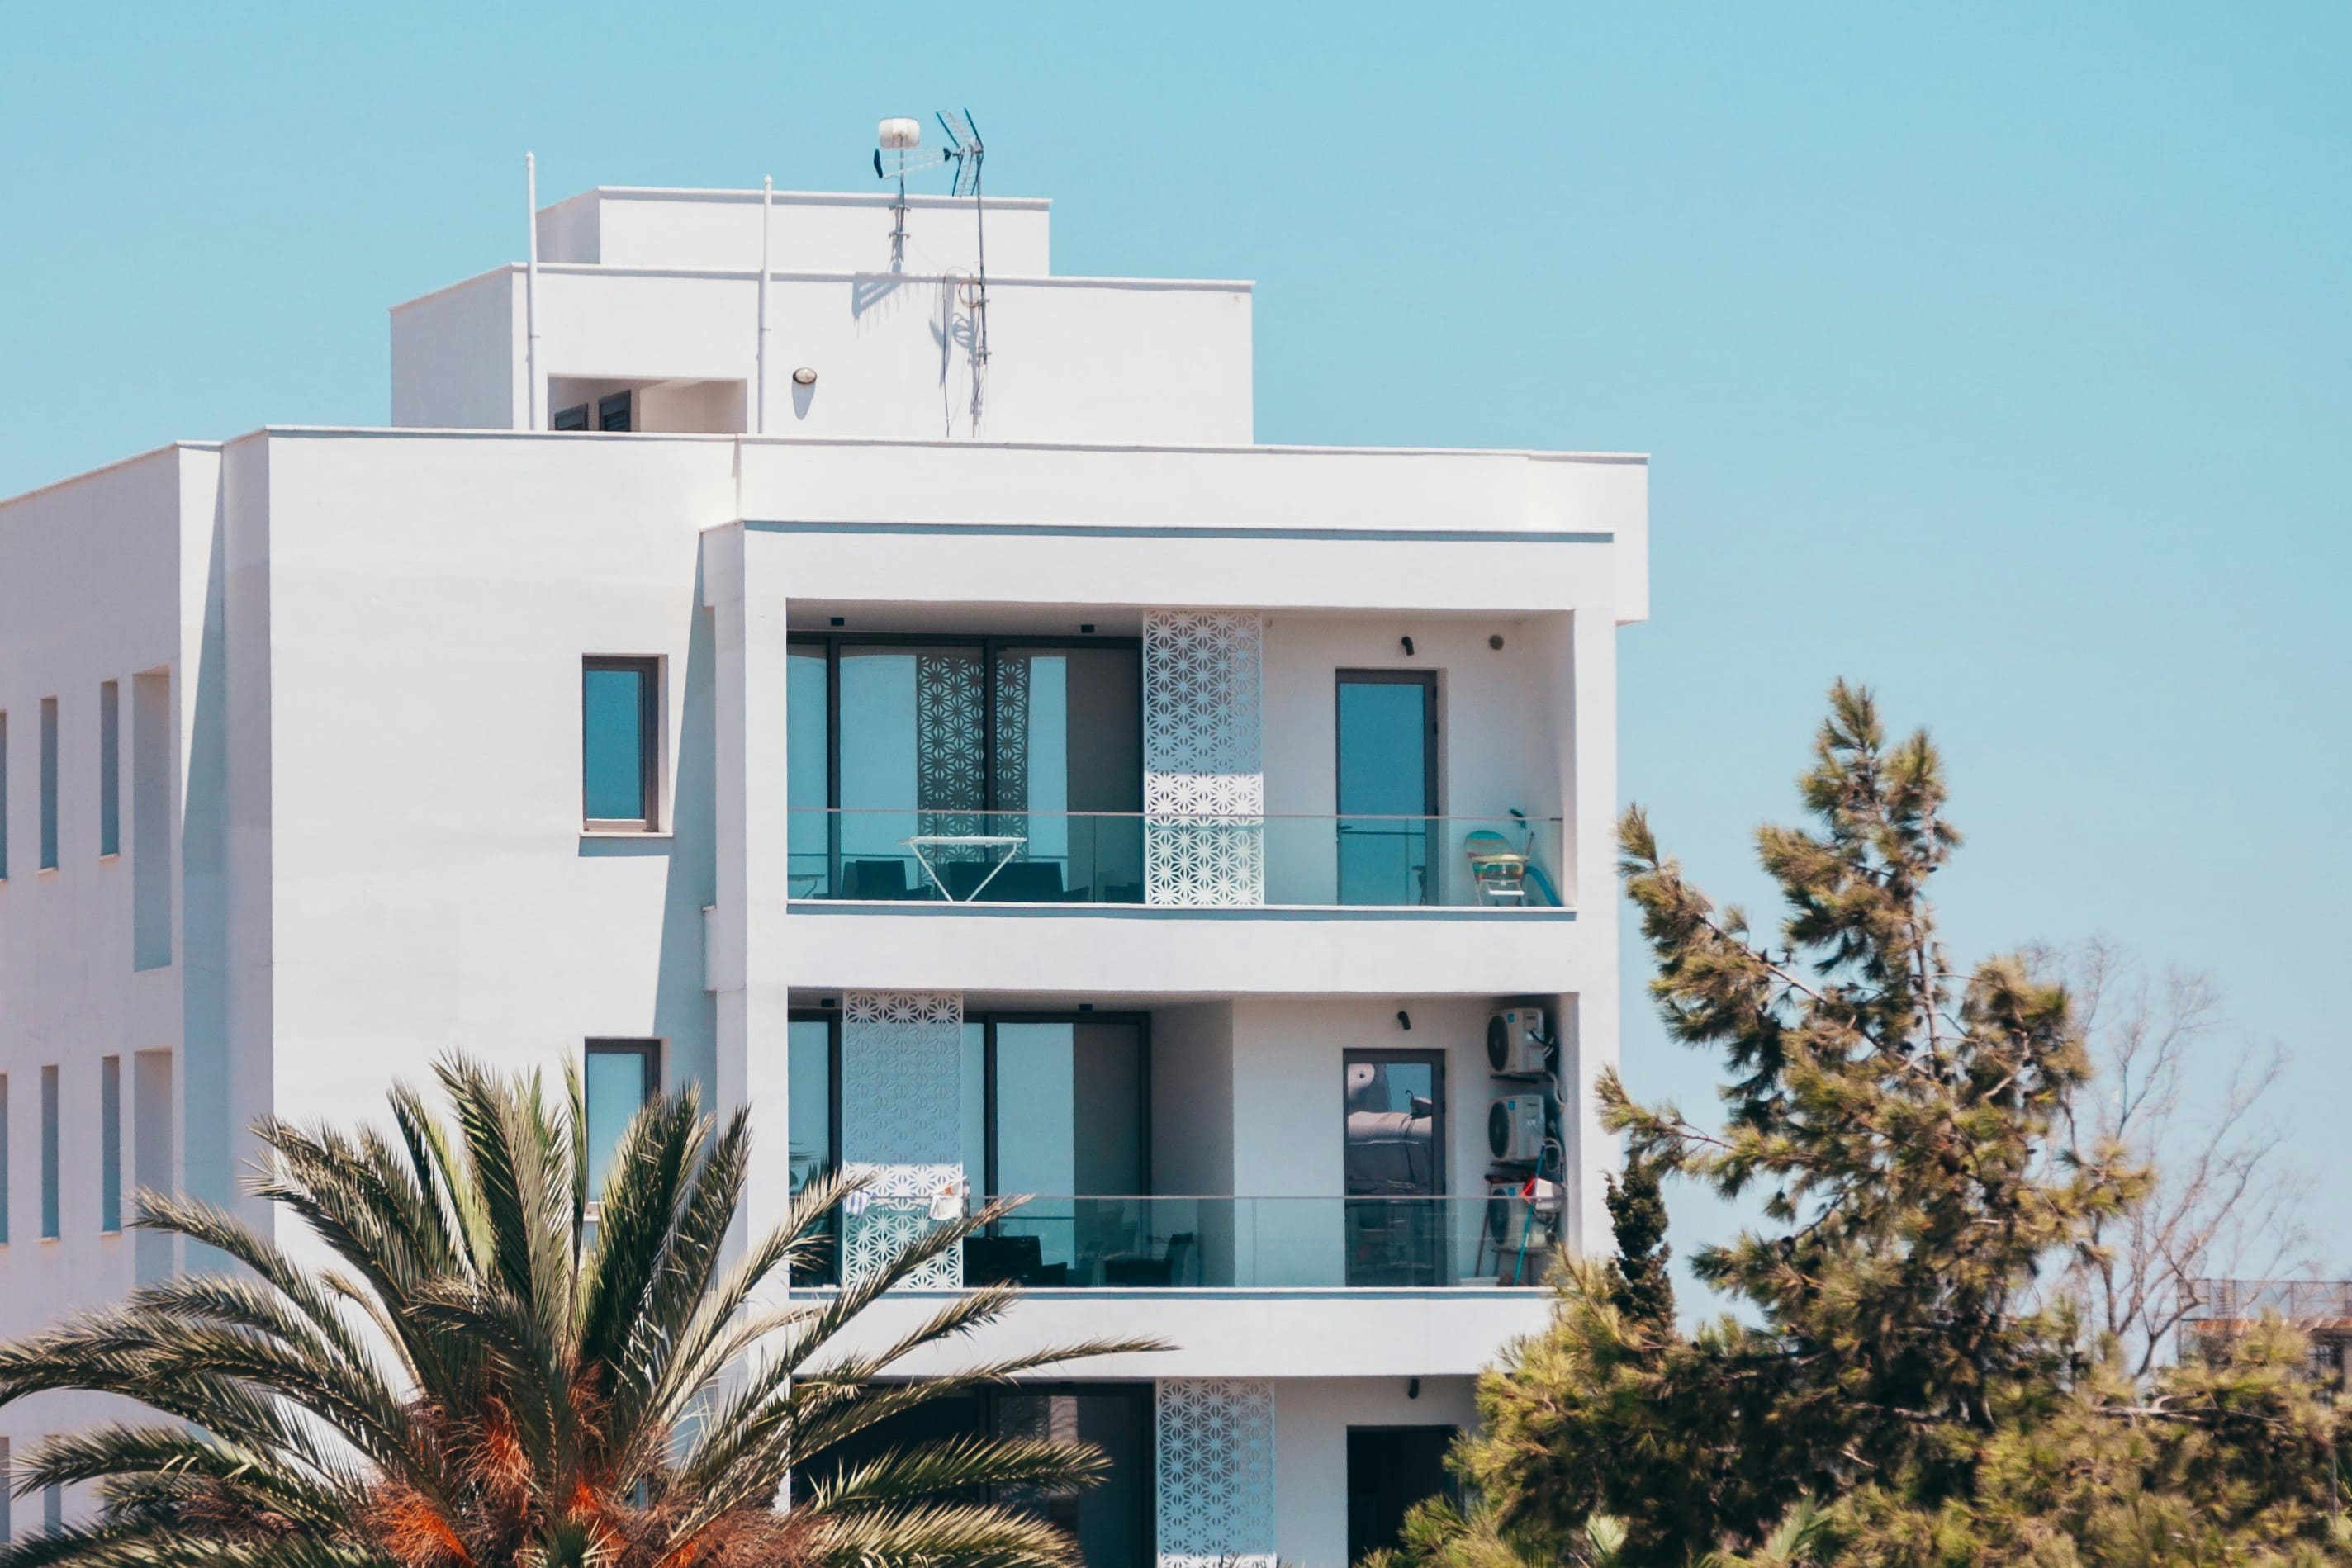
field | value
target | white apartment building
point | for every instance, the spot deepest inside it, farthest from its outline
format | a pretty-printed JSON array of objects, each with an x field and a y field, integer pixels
[{"x": 909, "y": 704}]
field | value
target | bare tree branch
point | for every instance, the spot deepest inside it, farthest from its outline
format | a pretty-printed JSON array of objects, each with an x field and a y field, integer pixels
[{"x": 2177, "y": 1087}]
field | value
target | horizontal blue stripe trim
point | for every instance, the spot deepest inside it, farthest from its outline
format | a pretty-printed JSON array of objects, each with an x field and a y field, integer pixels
[
  {"x": 1339, "y": 912},
  {"x": 1174, "y": 531}
]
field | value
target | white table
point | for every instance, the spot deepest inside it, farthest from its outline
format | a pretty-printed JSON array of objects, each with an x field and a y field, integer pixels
[{"x": 1006, "y": 846}]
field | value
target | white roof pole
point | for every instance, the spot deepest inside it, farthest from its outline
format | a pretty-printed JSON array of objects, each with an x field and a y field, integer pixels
[
  {"x": 767, "y": 204},
  {"x": 531, "y": 286}
]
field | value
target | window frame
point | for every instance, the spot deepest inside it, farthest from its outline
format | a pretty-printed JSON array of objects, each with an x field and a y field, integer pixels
[
  {"x": 49, "y": 808},
  {"x": 53, "y": 1198},
  {"x": 110, "y": 769},
  {"x": 652, "y": 742},
  {"x": 109, "y": 1146},
  {"x": 647, "y": 1048}
]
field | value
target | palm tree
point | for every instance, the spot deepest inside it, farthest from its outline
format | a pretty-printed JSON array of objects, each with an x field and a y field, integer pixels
[{"x": 492, "y": 1377}]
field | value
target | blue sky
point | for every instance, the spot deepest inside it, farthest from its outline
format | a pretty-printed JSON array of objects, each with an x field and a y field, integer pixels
[{"x": 1999, "y": 358}]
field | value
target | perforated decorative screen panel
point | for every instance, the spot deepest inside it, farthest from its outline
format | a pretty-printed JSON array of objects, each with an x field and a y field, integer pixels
[
  {"x": 1215, "y": 1451},
  {"x": 1202, "y": 680},
  {"x": 901, "y": 1124}
]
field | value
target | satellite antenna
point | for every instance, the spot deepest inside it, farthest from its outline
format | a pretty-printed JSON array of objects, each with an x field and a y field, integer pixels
[{"x": 901, "y": 139}]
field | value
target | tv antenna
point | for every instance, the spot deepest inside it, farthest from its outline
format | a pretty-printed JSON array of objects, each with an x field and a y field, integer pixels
[{"x": 902, "y": 138}]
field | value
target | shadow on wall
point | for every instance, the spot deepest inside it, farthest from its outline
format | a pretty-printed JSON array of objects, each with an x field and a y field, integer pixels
[
  {"x": 206, "y": 1170},
  {"x": 685, "y": 1014}
]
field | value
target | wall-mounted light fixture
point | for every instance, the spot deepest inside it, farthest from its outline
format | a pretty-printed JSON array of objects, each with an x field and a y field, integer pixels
[
  {"x": 840, "y": 619},
  {"x": 805, "y": 377},
  {"x": 1087, "y": 629},
  {"x": 1408, "y": 646},
  {"x": 1412, "y": 1388},
  {"x": 1495, "y": 641},
  {"x": 1404, "y": 1021}
]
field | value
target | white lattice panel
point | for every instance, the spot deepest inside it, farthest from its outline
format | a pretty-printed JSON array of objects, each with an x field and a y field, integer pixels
[
  {"x": 901, "y": 1122},
  {"x": 1215, "y": 1461},
  {"x": 1202, "y": 680},
  {"x": 900, "y": 1205}
]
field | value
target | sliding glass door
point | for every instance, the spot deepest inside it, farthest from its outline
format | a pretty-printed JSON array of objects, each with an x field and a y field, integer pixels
[
  {"x": 1388, "y": 785},
  {"x": 1054, "y": 1110},
  {"x": 937, "y": 769}
]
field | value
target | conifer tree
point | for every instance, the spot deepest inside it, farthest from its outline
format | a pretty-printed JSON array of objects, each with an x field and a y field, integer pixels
[
  {"x": 1900, "y": 1385},
  {"x": 1639, "y": 1286}
]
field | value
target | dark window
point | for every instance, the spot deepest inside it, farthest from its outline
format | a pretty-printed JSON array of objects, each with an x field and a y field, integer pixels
[
  {"x": 48, "y": 783},
  {"x": 109, "y": 767},
  {"x": 572, "y": 418},
  {"x": 51, "y": 1228},
  {"x": 109, "y": 1144},
  {"x": 612, "y": 411},
  {"x": 1390, "y": 1469},
  {"x": 1111, "y": 1522},
  {"x": 619, "y": 740},
  {"x": 622, "y": 1075}
]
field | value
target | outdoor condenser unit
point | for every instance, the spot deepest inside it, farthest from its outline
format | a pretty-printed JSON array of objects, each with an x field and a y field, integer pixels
[
  {"x": 1515, "y": 1127},
  {"x": 1518, "y": 1041}
]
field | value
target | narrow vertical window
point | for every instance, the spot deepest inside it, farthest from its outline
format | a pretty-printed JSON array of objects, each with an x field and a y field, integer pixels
[
  {"x": 109, "y": 767},
  {"x": 53, "y": 1504},
  {"x": 151, "y": 1156},
  {"x": 7, "y": 1493},
  {"x": 49, "y": 1227},
  {"x": 4, "y": 797},
  {"x": 3, "y": 1241},
  {"x": 150, "y": 818},
  {"x": 48, "y": 783},
  {"x": 619, "y": 719},
  {"x": 622, "y": 1075},
  {"x": 109, "y": 1144}
]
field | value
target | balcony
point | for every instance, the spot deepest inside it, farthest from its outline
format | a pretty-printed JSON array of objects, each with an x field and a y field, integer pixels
[
  {"x": 1134, "y": 1243},
  {"x": 1096, "y": 858}
]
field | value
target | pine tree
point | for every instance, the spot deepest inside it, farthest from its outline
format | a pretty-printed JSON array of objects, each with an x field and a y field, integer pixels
[
  {"x": 1899, "y": 1373},
  {"x": 1639, "y": 1286}
]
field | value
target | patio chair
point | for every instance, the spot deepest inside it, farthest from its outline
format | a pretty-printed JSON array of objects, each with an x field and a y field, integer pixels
[
  {"x": 874, "y": 879},
  {"x": 1127, "y": 1268},
  {"x": 1499, "y": 871}
]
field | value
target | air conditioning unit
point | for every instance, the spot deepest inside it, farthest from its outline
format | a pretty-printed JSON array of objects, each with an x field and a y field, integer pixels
[
  {"x": 1518, "y": 1041},
  {"x": 1515, "y": 1127}
]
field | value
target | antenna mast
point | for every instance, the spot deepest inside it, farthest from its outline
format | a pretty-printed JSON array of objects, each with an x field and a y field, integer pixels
[
  {"x": 965, "y": 150},
  {"x": 969, "y": 153}
]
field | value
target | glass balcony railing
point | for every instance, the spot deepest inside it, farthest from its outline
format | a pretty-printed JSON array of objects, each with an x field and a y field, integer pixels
[
  {"x": 1192, "y": 1243},
  {"x": 1510, "y": 861}
]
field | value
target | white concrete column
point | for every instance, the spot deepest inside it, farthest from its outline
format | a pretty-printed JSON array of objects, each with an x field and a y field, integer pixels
[
  {"x": 1589, "y": 787},
  {"x": 747, "y": 961}
]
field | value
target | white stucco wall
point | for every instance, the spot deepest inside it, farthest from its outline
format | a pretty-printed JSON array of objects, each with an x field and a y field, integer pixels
[
  {"x": 1071, "y": 360},
  {"x": 808, "y": 231},
  {"x": 1311, "y": 1417}
]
